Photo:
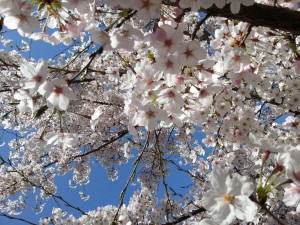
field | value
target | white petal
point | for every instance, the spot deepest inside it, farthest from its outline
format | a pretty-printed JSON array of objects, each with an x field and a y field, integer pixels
[
  {"x": 218, "y": 180},
  {"x": 53, "y": 99},
  {"x": 245, "y": 209},
  {"x": 247, "y": 2},
  {"x": 224, "y": 215},
  {"x": 206, "y": 222},
  {"x": 69, "y": 94},
  {"x": 210, "y": 200},
  {"x": 11, "y": 22},
  {"x": 235, "y": 7},
  {"x": 63, "y": 102},
  {"x": 29, "y": 24},
  {"x": 27, "y": 70}
]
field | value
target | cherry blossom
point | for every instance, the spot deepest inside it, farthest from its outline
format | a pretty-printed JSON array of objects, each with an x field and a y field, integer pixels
[
  {"x": 24, "y": 23},
  {"x": 229, "y": 198},
  {"x": 292, "y": 196},
  {"x": 57, "y": 93},
  {"x": 189, "y": 54},
  {"x": 197, "y": 90},
  {"x": 34, "y": 76},
  {"x": 235, "y": 5},
  {"x": 26, "y": 101}
]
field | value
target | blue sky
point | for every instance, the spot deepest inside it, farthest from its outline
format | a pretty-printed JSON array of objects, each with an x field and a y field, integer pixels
[{"x": 102, "y": 191}]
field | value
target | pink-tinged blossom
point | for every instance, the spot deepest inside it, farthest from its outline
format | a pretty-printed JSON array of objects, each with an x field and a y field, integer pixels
[
  {"x": 296, "y": 66},
  {"x": 236, "y": 60},
  {"x": 125, "y": 37},
  {"x": 235, "y": 5},
  {"x": 68, "y": 140},
  {"x": 81, "y": 6},
  {"x": 171, "y": 99},
  {"x": 62, "y": 37},
  {"x": 7, "y": 5},
  {"x": 116, "y": 4},
  {"x": 44, "y": 37},
  {"x": 170, "y": 66},
  {"x": 147, "y": 9},
  {"x": 57, "y": 93},
  {"x": 33, "y": 76},
  {"x": 193, "y": 4},
  {"x": 100, "y": 37},
  {"x": 147, "y": 76},
  {"x": 166, "y": 39},
  {"x": 25, "y": 24},
  {"x": 148, "y": 116},
  {"x": 26, "y": 101},
  {"x": 292, "y": 196},
  {"x": 292, "y": 165},
  {"x": 266, "y": 144},
  {"x": 190, "y": 53},
  {"x": 229, "y": 198}
]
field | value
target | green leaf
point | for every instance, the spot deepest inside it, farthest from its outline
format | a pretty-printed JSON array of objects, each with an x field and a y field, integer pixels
[
  {"x": 151, "y": 56},
  {"x": 41, "y": 6},
  {"x": 13, "y": 103},
  {"x": 40, "y": 111},
  {"x": 58, "y": 5}
]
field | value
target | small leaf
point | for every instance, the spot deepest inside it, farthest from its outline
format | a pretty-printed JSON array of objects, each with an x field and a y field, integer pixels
[
  {"x": 13, "y": 103},
  {"x": 58, "y": 5},
  {"x": 40, "y": 111},
  {"x": 41, "y": 6}
]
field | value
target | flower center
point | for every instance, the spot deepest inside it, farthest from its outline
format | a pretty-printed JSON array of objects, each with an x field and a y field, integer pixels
[
  {"x": 37, "y": 78},
  {"x": 150, "y": 114},
  {"x": 168, "y": 43},
  {"x": 171, "y": 94},
  {"x": 149, "y": 81},
  {"x": 228, "y": 198},
  {"x": 188, "y": 53},
  {"x": 57, "y": 90},
  {"x": 169, "y": 64}
]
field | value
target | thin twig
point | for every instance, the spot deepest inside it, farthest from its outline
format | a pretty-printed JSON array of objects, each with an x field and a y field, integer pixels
[
  {"x": 136, "y": 163},
  {"x": 92, "y": 57},
  {"x": 15, "y": 218},
  {"x": 185, "y": 216}
]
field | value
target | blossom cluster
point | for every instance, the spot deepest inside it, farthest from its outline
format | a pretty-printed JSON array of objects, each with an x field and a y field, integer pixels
[{"x": 169, "y": 85}]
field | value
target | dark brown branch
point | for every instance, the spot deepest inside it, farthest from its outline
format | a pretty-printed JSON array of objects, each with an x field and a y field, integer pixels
[
  {"x": 255, "y": 96},
  {"x": 198, "y": 25},
  {"x": 26, "y": 179},
  {"x": 185, "y": 216},
  {"x": 263, "y": 15},
  {"x": 15, "y": 218},
  {"x": 5, "y": 90},
  {"x": 92, "y": 57},
  {"x": 259, "y": 15},
  {"x": 121, "y": 134}
]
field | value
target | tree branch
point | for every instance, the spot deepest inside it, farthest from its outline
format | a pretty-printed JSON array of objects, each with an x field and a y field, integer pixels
[
  {"x": 258, "y": 15},
  {"x": 263, "y": 15},
  {"x": 185, "y": 216},
  {"x": 15, "y": 218},
  {"x": 121, "y": 134}
]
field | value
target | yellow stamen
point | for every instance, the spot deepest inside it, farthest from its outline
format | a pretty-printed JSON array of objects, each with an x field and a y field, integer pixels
[{"x": 228, "y": 198}]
